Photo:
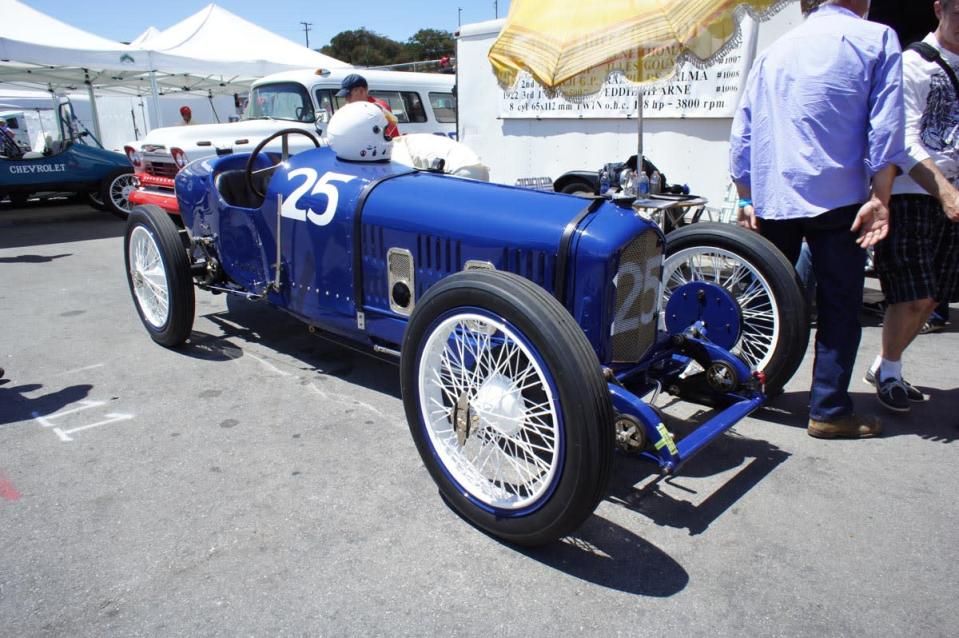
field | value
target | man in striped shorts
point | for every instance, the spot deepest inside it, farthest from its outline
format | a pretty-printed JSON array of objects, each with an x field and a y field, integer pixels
[{"x": 918, "y": 263}]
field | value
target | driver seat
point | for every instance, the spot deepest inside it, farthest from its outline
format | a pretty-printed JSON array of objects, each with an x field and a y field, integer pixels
[{"x": 234, "y": 190}]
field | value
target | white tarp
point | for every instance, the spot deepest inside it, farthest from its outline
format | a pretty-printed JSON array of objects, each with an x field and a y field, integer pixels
[
  {"x": 212, "y": 51},
  {"x": 214, "y": 41},
  {"x": 139, "y": 41},
  {"x": 26, "y": 35}
]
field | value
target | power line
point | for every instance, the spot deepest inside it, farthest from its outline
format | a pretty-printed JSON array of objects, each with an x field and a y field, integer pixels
[{"x": 306, "y": 30}]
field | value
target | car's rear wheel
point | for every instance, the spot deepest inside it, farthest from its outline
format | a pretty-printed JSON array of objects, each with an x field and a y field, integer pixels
[
  {"x": 507, "y": 405},
  {"x": 158, "y": 273},
  {"x": 114, "y": 193},
  {"x": 775, "y": 322}
]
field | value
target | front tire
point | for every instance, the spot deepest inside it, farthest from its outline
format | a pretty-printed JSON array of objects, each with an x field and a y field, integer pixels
[
  {"x": 114, "y": 194},
  {"x": 775, "y": 329},
  {"x": 158, "y": 273},
  {"x": 507, "y": 406}
]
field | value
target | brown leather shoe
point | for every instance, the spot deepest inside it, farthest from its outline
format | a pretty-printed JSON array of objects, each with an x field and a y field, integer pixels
[{"x": 848, "y": 427}]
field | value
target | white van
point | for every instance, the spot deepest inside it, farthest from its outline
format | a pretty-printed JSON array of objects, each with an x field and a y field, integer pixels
[{"x": 421, "y": 102}]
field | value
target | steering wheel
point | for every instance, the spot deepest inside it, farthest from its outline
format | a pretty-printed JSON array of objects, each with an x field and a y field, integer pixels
[{"x": 250, "y": 182}]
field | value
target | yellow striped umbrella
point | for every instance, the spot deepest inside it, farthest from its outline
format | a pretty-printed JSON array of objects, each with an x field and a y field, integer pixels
[{"x": 571, "y": 46}]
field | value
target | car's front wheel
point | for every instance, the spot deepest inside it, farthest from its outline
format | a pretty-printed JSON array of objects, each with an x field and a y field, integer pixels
[
  {"x": 114, "y": 194},
  {"x": 507, "y": 405},
  {"x": 775, "y": 323},
  {"x": 158, "y": 272}
]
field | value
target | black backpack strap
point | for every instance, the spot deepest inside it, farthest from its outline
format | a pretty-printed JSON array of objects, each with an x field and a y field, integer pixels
[{"x": 930, "y": 54}]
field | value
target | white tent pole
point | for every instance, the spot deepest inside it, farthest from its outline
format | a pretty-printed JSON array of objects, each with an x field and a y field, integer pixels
[
  {"x": 93, "y": 110},
  {"x": 156, "y": 99},
  {"x": 156, "y": 94}
]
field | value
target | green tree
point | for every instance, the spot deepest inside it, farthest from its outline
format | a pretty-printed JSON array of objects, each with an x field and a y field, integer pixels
[
  {"x": 363, "y": 47},
  {"x": 430, "y": 44}
]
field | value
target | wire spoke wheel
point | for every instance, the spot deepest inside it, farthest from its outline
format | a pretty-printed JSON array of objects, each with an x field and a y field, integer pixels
[
  {"x": 775, "y": 325},
  {"x": 750, "y": 289},
  {"x": 158, "y": 273},
  {"x": 491, "y": 415},
  {"x": 150, "y": 284},
  {"x": 113, "y": 194},
  {"x": 507, "y": 405},
  {"x": 120, "y": 189}
]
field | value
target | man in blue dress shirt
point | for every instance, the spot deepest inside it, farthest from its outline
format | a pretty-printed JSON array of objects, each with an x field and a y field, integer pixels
[{"x": 812, "y": 155}]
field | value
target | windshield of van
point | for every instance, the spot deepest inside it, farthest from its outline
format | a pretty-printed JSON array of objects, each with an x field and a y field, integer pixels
[{"x": 280, "y": 101}]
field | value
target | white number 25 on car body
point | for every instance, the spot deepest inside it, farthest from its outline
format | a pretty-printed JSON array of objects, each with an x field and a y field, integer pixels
[{"x": 315, "y": 187}]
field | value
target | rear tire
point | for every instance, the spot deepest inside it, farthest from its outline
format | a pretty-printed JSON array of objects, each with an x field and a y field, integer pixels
[
  {"x": 158, "y": 273},
  {"x": 114, "y": 193},
  {"x": 775, "y": 330},
  {"x": 531, "y": 457}
]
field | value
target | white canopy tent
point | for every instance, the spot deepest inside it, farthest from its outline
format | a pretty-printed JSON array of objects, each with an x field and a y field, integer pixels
[
  {"x": 139, "y": 41},
  {"x": 215, "y": 41},
  {"x": 210, "y": 52},
  {"x": 36, "y": 49},
  {"x": 217, "y": 47}
]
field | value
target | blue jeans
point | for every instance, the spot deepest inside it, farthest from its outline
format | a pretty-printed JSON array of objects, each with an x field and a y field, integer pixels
[{"x": 838, "y": 264}]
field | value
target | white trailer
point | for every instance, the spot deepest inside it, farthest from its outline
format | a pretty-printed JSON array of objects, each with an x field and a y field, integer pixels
[{"x": 544, "y": 140}]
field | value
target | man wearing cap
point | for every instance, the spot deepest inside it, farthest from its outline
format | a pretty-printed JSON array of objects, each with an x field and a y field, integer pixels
[
  {"x": 355, "y": 89},
  {"x": 187, "y": 116}
]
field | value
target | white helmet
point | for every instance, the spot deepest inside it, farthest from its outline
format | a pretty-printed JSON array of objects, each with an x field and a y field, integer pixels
[{"x": 357, "y": 131}]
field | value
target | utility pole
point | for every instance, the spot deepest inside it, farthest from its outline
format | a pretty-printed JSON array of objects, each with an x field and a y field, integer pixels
[
  {"x": 459, "y": 16},
  {"x": 306, "y": 30},
  {"x": 496, "y": 8}
]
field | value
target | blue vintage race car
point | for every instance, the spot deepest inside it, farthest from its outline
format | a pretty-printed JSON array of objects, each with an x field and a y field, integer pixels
[
  {"x": 71, "y": 160},
  {"x": 527, "y": 325}
]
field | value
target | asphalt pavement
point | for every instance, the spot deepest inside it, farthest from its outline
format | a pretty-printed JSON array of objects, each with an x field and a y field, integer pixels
[{"x": 261, "y": 481}]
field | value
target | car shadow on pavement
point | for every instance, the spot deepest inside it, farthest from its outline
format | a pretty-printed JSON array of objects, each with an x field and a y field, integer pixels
[
  {"x": 606, "y": 554},
  {"x": 15, "y": 406},
  {"x": 32, "y": 259},
  {"x": 756, "y": 459},
  {"x": 21, "y": 229},
  {"x": 256, "y": 323}
]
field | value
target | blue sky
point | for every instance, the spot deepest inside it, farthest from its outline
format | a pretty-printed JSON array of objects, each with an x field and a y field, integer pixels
[{"x": 125, "y": 19}]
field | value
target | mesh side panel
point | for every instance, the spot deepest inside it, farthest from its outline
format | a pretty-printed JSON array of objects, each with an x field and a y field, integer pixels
[
  {"x": 399, "y": 262},
  {"x": 638, "y": 293}
]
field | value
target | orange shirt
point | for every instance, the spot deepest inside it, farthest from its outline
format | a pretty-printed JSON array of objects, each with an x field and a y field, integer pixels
[{"x": 391, "y": 129}]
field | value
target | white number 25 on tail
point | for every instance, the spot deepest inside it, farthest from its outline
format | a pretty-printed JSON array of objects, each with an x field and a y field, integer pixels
[{"x": 315, "y": 187}]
